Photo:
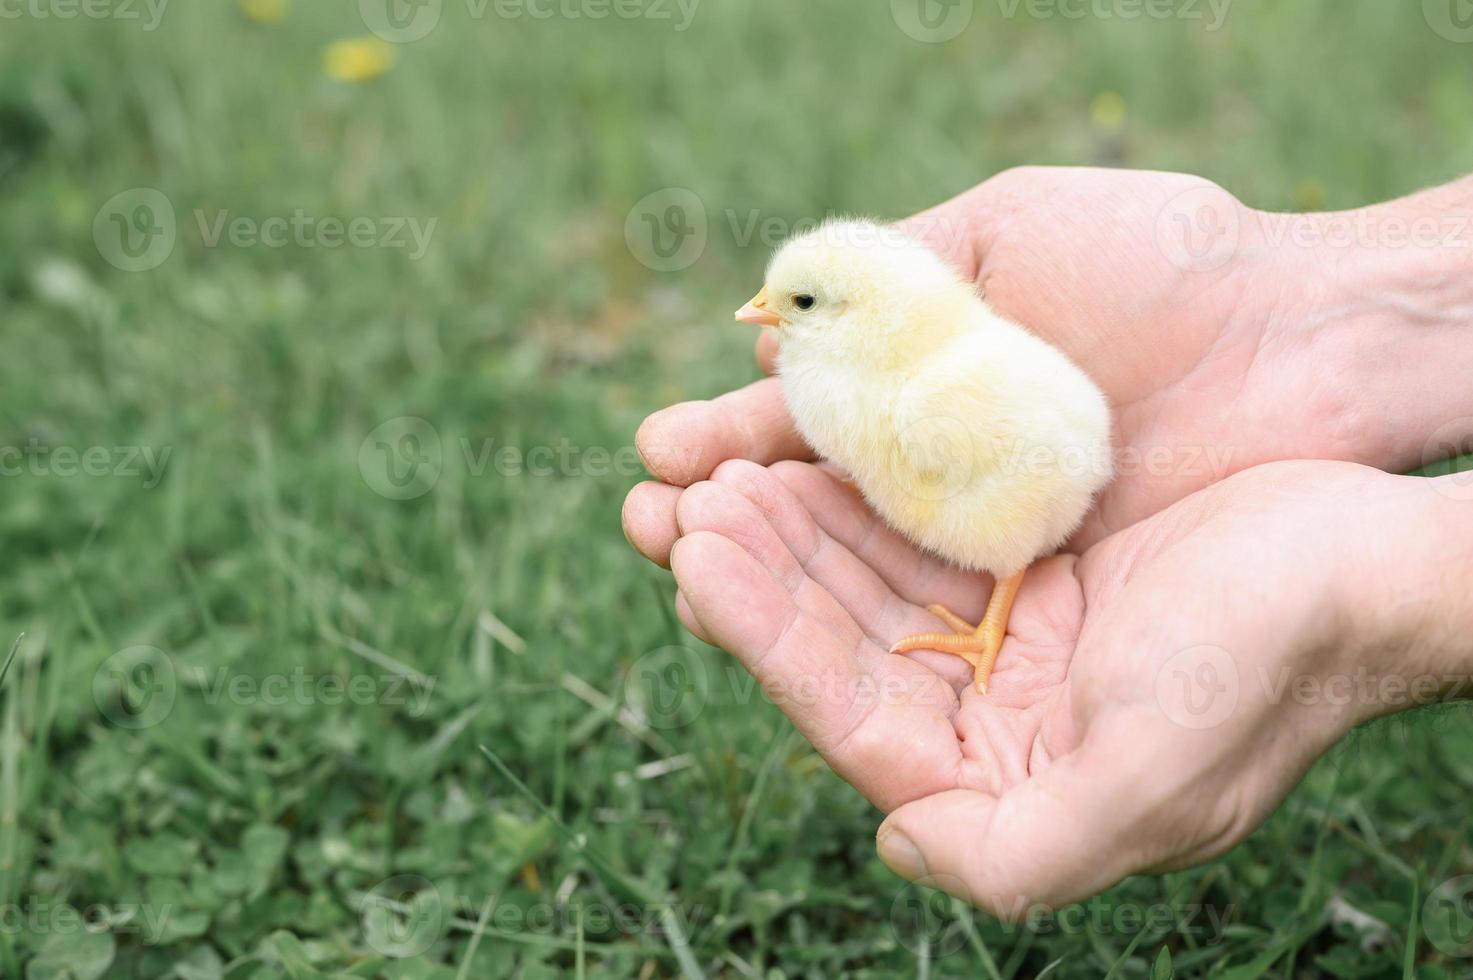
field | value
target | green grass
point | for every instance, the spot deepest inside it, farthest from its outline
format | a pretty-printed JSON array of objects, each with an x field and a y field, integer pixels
[{"x": 208, "y": 817}]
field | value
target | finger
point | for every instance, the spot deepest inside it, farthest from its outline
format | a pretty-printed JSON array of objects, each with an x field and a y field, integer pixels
[
  {"x": 715, "y": 508},
  {"x": 649, "y": 520},
  {"x": 1067, "y": 833},
  {"x": 891, "y": 741},
  {"x": 688, "y": 619},
  {"x": 767, "y": 351},
  {"x": 684, "y": 443},
  {"x": 956, "y": 229},
  {"x": 883, "y": 615},
  {"x": 779, "y": 630},
  {"x": 914, "y": 575},
  {"x": 1115, "y": 510}
]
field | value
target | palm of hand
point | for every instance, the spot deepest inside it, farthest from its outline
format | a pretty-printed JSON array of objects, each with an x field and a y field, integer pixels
[{"x": 1053, "y": 764}]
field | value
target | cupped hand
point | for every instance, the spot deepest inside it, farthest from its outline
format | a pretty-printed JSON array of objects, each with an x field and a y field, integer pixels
[
  {"x": 1163, "y": 287},
  {"x": 1138, "y": 718}
]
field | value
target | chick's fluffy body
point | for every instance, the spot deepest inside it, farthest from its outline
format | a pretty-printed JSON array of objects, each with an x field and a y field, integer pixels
[{"x": 966, "y": 433}]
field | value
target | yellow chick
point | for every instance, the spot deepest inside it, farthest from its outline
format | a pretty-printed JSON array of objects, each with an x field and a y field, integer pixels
[{"x": 966, "y": 433}]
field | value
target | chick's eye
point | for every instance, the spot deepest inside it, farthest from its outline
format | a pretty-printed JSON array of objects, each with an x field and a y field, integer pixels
[{"x": 803, "y": 301}]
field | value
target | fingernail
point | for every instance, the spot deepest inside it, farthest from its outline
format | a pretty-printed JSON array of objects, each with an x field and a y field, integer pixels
[{"x": 900, "y": 854}]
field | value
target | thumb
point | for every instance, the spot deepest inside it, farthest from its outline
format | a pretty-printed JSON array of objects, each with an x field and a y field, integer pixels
[
  {"x": 1053, "y": 839},
  {"x": 959, "y": 230}
]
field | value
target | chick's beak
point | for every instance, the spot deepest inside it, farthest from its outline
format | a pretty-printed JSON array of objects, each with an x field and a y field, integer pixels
[{"x": 756, "y": 311}]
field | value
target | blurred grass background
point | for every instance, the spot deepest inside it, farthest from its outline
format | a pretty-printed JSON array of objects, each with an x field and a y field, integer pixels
[{"x": 237, "y": 834}]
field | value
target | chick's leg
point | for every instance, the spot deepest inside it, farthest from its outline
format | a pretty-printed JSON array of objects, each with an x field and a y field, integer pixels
[
  {"x": 951, "y": 619},
  {"x": 978, "y": 646}
]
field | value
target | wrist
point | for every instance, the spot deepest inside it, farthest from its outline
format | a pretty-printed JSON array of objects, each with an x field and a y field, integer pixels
[
  {"x": 1380, "y": 300},
  {"x": 1407, "y": 560}
]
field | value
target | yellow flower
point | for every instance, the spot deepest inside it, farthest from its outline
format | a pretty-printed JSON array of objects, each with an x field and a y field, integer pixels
[
  {"x": 357, "y": 59},
  {"x": 264, "y": 11},
  {"x": 1107, "y": 111}
]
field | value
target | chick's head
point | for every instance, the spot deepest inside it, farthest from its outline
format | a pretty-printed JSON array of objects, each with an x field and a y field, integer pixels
[{"x": 857, "y": 291}]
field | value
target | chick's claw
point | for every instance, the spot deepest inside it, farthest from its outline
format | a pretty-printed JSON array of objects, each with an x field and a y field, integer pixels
[
  {"x": 974, "y": 646},
  {"x": 979, "y": 645}
]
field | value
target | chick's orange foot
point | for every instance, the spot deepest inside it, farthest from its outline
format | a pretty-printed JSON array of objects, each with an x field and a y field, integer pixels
[{"x": 977, "y": 645}]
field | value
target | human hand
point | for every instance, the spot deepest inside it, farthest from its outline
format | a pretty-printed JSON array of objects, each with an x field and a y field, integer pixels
[
  {"x": 1142, "y": 714},
  {"x": 1224, "y": 337}
]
